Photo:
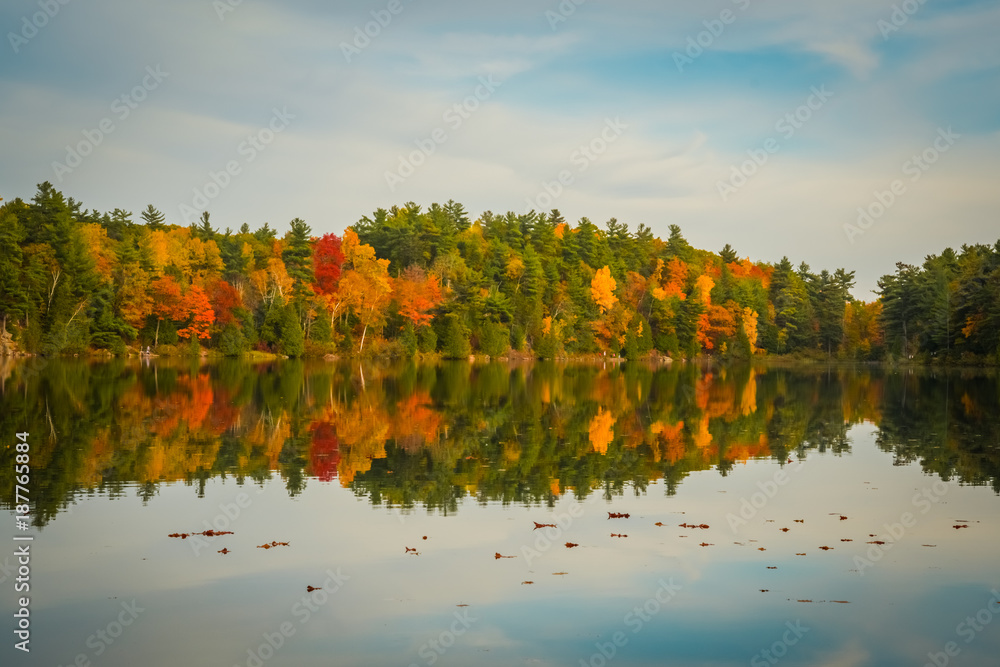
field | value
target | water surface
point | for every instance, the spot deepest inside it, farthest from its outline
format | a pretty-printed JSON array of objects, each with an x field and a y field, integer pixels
[{"x": 352, "y": 466}]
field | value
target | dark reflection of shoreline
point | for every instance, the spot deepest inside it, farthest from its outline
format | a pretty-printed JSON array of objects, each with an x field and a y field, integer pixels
[{"x": 432, "y": 435}]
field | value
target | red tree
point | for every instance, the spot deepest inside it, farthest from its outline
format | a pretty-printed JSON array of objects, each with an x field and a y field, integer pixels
[
  {"x": 197, "y": 305},
  {"x": 167, "y": 302},
  {"x": 327, "y": 260},
  {"x": 225, "y": 299}
]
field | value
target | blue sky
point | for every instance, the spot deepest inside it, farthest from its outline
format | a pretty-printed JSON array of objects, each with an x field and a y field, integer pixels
[{"x": 328, "y": 123}]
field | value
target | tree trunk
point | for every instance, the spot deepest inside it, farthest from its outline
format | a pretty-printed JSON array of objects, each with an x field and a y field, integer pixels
[{"x": 156, "y": 340}]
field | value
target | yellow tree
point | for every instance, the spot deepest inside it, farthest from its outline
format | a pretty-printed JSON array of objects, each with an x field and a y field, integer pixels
[
  {"x": 366, "y": 285},
  {"x": 602, "y": 290}
]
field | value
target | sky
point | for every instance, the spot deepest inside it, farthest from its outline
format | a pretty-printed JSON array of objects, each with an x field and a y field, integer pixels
[{"x": 851, "y": 134}]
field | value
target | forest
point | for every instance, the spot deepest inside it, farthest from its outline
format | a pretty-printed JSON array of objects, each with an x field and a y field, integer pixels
[{"x": 408, "y": 282}]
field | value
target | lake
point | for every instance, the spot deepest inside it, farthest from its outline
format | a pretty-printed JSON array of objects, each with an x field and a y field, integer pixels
[{"x": 501, "y": 514}]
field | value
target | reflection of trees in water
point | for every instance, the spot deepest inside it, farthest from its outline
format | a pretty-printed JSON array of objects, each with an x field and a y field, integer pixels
[
  {"x": 948, "y": 423},
  {"x": 435, "y": 435}
]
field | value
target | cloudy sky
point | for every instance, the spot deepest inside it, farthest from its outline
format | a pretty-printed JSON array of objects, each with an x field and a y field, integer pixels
[{"x": 766, "y": 125}]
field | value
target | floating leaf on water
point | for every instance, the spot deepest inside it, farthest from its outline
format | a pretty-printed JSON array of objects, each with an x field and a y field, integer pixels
[
  {"x": 543, "y": 525},
  {"x": 826, "y": 548},
  {"x": 526, "y": 582},
  {"x": 223, "y": 551},
  {"x": 618, "y": 515},
  {"x": 310, "y": 589},
  {"x": 570, "y": 545},
  {"x": 498, "y": 556}
]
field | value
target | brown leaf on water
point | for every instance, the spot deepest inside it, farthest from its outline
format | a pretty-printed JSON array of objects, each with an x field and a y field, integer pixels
[
  {"x": 840, "y": 601},
  {"x": 843, "y": 518},
  {"x": 928, "y": 545},
  {"x": 706, "y": 544},
  {"x": 214, "y": 533},
  {"x": 846, "y": 539},
  {"x": 560, "y": 573},
  {"x": 805, "y": 600},
  {"x": 570, "y": 545},
  {"x": 958, "y": 525},
  {"x": 799, "y": 520},
  {"x": 183, "y": 536},
  {"x": 618, "y": 515},
  {"x": 784, "y": 530},
  {"x": 310, "y": 589},
  {"x": 223, "y": 551},
  {"x": 772, "y": 567},
  {"x": 764, "y": 590},
  {"x": 498, "y": 556},
  {"x": 761, "y": 549},
  {"x": 826, "y": 548},
  {"x": 526, "y": 582},
  {"x": 425, "y": 537},
  {"x": 410, "y": 549},
  {"x": 658, "y": 523},
  {"x": 876, "y": 542},
  {"x": 800, "y": 554},
  {"x": 618, "y": 535},
  {"x": 543, "y": 525},
  {"x": 872, "y": 535},
  {"x": 273, "y": 544},
  {"x": 461, "y": 605}
]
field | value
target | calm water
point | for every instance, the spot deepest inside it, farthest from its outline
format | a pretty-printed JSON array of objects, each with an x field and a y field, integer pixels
[{"x": 733, "y": 480}]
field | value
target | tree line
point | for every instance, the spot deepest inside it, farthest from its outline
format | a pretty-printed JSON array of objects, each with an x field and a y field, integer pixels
[{"x": 406, "y": 280}]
